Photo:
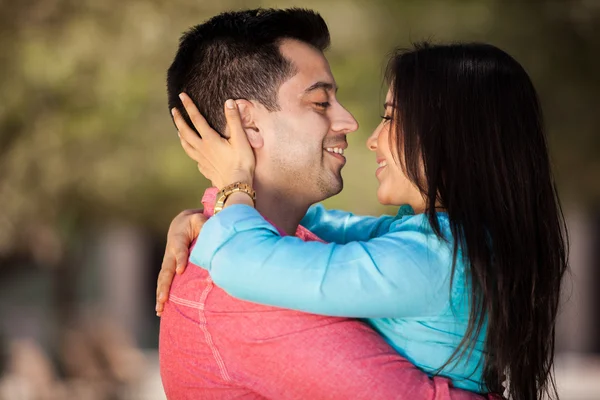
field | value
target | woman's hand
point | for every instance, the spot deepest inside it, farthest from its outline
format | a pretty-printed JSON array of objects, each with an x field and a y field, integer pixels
[
  {"x": 222, "y": 161},
  {"x": 183, "y": 230}
]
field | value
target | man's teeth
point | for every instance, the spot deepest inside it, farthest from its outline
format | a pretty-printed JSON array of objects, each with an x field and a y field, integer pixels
[
  {"x": 335, "y": 150},
  {"x": 383, "y": 163}
]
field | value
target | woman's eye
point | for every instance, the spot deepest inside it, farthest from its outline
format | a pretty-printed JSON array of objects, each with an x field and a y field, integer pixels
[
  {"x": 386, "y": 118},
  {"x": 323, "y": 105}
]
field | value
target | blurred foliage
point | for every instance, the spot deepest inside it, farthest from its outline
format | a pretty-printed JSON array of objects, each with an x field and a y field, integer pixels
[{"x": 86, "y": 138}]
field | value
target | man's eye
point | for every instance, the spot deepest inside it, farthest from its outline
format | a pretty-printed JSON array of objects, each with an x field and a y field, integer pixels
[{"x": 323, "y": 105}]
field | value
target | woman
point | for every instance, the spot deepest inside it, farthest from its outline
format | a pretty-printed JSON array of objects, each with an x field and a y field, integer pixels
[{"x": 468, "y": 286}]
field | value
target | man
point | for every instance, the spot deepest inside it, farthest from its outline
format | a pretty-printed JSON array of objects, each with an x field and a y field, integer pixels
[{"x": 213, "y": 346}]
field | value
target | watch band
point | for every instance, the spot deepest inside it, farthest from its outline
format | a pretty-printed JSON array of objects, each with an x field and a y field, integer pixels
[{"x": 229, "y": 190}]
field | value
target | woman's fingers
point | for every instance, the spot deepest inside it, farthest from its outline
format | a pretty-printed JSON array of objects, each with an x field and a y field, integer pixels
[
  {"x": 189, "y": 149},
  {"x": 204, "y": 165},
  {"x": 163, "y": 283},
  {"x": 206, "y": 132},
  {"x": 243, "y": 157},
  {"x": 184, "y": 228},
  {"x": 222, "y": 161},
  {"x": 180, "y": 249},
  {"x": 185, "y": 131},
  {"x": 234, "y": 121}
]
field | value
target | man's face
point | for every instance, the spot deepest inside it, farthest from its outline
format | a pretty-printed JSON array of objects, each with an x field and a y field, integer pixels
[{"x": 303, "y": 141}]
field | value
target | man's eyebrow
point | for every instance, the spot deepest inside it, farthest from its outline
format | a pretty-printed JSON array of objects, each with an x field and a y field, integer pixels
[{"x": 321, "y": 85}]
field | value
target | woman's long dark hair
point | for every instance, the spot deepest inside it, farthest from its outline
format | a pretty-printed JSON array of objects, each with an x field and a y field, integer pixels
[{"x": 470, "y": 128}]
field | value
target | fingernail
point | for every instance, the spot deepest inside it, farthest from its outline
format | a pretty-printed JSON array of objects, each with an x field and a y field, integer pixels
[
  {"x": 230, "y": 104},
  {"x": 156, "y": 307},
  {"x": 181, "y": 97},
  {"x": 173, "y": 111}
]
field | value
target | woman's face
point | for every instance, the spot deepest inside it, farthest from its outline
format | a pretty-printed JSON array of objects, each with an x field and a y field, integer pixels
[{"x": 394, "y": 186}]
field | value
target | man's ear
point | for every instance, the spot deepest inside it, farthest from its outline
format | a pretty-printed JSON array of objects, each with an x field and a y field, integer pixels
[{"x": 248, "y": 114}]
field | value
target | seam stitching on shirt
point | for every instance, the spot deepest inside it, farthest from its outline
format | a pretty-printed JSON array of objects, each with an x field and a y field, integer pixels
[
  {"x": 185, "y": 302},
  {"x": 207, "y": 335}
]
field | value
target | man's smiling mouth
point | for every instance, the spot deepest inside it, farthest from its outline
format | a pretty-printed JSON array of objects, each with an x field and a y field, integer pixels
[{"x": 336, "y": 150}]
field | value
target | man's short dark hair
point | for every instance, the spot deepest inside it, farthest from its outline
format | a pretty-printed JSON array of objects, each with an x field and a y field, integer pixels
[{"x": 235, "y": 55}]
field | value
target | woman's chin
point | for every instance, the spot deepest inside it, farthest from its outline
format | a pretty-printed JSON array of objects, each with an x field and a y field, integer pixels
[{"x": 383, "y": 198}]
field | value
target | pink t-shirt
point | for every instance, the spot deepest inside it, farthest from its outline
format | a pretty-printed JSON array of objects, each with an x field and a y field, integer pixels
[{"x": 213, "y": 346}]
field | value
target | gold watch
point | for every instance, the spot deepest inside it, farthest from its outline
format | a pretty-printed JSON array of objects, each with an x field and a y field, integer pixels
[{"x": 229, "y": 190}]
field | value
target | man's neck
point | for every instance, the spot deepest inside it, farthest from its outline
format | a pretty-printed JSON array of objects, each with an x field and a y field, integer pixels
[{"x": 280, "y": 208}]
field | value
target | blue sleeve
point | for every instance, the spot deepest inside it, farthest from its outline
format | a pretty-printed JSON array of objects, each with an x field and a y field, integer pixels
[
  {"x": 395, "y": 275},
  {"x": 342, "y": 227}
]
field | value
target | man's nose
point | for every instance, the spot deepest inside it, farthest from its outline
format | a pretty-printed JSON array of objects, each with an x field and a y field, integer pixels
[{"x": 344, "y": 122}]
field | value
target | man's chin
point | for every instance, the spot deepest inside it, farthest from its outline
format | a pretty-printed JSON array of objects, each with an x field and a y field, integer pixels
[
  {"x": 335, "y": 186},
  {"x": 328, "y": 185}
]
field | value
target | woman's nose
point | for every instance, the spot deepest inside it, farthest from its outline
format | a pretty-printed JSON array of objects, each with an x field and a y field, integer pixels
[{"x": 372, "y": 140}]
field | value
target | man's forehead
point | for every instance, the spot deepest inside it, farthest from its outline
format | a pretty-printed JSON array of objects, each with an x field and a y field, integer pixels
[{"x": 312, "y": 68}]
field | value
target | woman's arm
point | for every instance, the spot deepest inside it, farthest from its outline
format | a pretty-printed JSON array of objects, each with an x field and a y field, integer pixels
[
  {"x": 342, "y": 227},
  {"x": 395, "y": 275}
]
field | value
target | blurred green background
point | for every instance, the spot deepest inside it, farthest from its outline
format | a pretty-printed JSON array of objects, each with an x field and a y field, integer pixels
[{"x": 91, "y": 170}]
